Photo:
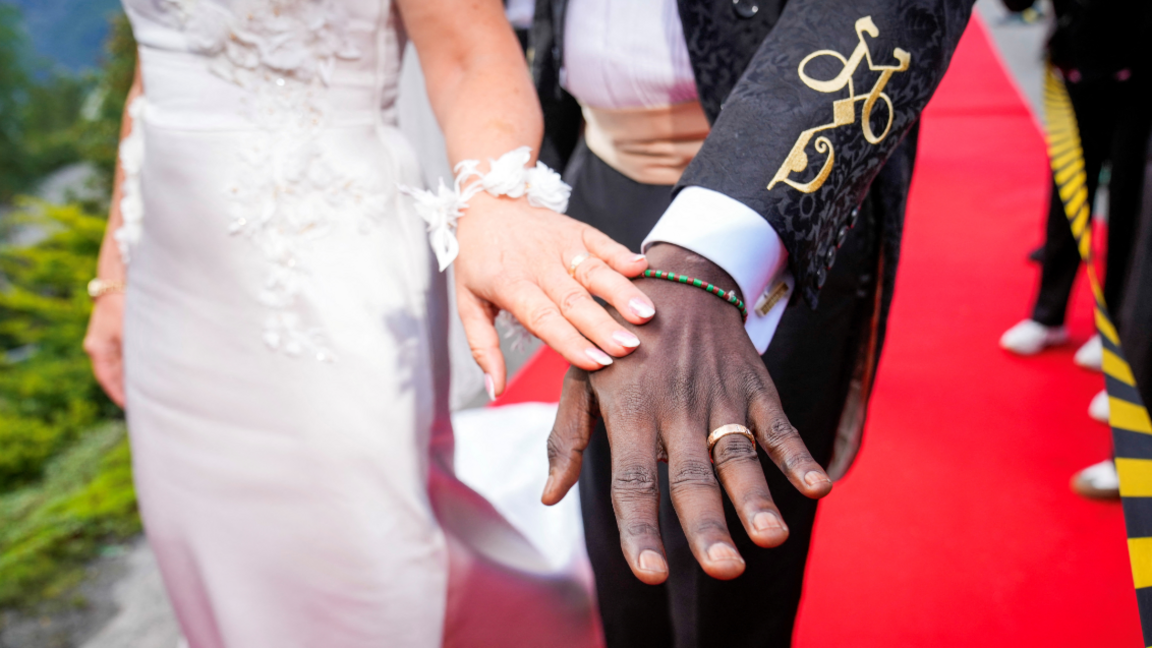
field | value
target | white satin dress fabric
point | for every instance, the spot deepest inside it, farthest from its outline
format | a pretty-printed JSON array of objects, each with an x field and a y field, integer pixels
[{"x": 286, "y": 359}]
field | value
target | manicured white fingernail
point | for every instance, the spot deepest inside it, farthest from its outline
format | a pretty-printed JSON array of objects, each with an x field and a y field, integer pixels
[
  {"x": 599, "y": 356},
  {"x": 490, "y": 387},
  {"x": 641, "y": 308},
  {"x": 626, "y": 339},
  {"x": 639, "y": 257},
  {"x": 652, "y": 562}
]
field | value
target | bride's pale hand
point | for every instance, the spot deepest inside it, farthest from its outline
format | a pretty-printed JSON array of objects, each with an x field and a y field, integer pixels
[
  {"x": 104, "y": 345},
  {"x": 516, "y": 257}
]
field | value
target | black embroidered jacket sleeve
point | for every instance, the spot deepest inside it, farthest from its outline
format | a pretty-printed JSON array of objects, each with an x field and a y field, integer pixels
[{"x": 826, "y": 99}]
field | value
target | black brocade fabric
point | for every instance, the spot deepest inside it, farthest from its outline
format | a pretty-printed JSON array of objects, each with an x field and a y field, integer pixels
[
  {"x": 722, "y": 43},
  {"x": 770, "y": 106}
]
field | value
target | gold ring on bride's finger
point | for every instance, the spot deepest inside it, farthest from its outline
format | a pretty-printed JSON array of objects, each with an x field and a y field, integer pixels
[
  {"x": 725, "y": 430},
  {"x": 576, "y": 261}
]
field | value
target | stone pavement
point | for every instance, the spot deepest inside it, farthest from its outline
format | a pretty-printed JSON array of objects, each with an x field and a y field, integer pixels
[{"x": 145, "y": 618}]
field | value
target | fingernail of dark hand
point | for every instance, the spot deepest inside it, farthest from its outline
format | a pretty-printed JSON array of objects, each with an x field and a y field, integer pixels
[
  {"x": 651, "y": 561},
  {"x": 815, "y": 478},
  {"x": 766, "y": 521},
  {"x": 721, "y": 552}
]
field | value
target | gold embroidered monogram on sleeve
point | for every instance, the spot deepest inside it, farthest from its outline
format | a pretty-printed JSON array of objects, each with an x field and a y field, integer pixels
[{"x": 843, "y": 110}]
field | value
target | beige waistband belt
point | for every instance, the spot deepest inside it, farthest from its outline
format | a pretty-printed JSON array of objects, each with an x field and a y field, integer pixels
[{"x": 649, "y": 145}]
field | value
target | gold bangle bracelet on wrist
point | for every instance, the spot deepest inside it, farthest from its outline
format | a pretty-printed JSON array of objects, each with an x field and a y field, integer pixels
[{"x": 99, "y": 287}]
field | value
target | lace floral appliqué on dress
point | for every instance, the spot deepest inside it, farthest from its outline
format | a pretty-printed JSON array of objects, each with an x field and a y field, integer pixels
[
  {"x": 289, "y": 193},
  {"x": 131, "y": 160}
]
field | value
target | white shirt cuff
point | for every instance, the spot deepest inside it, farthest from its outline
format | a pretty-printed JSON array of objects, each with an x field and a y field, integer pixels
[{"x": 733, "y": 236}]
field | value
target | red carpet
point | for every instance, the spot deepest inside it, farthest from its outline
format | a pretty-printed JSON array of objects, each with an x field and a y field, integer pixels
[{"x": 956, "y": 526}]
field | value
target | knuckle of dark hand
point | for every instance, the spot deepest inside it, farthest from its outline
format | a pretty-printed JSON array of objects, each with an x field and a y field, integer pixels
[
  {"x": 796, "y": 459},
  {"x": 561, "y": 447},
  {"x": 709, "y": 526},
  {"x": 691, "y": 474},
  {"x": 735, "y": 452},
  {"x": 635, "y": 482},
  {"x": 635, "y": 529},
  {"x": 556, "y": 447},
  {"x": 780, "y": 432}
]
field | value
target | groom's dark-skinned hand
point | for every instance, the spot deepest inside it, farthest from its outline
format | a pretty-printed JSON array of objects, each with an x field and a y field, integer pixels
[{"x": 694, "y": 371}]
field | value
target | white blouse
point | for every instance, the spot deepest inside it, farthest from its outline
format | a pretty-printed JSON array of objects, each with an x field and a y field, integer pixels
[{"x": 626, "y": 54}]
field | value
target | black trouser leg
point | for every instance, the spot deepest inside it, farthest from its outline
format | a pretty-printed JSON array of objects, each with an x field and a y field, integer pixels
[
  {"x": 1135, "y": 320},
  {"x": 1094, "y": 104},
  {"x": 1127, "y": 150},
  {"x": 810, "y": 360},
  {"x": 1061, "y": 263}
]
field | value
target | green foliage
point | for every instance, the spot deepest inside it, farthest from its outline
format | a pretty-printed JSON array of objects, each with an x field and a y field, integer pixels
[
  {"x": 85, "y": 500},
  {"x": 54, "y": 105},
  {"x": 47, "y": 395},
  {"x": 14, "y": 83},
  {"x": 65, "y": 471},
  {"x": 98, "y": 133}
]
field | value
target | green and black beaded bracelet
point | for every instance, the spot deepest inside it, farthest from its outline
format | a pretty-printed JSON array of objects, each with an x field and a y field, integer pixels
[{"x": 729, "y": 296}]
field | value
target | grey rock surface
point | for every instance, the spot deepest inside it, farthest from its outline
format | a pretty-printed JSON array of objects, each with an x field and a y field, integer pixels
[
  {"x": 145, "y": 618},
  {"x": 71, "y": 619}
]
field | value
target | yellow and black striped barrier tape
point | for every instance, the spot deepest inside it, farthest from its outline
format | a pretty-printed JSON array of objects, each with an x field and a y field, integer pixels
[{"x": 1131, "y": 428}]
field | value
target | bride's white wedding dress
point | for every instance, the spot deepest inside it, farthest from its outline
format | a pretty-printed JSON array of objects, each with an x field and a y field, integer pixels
[{"x": 285, "y": 348}]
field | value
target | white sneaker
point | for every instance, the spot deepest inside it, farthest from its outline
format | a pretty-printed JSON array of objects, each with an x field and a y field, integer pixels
[
  {"x": 1031, "y": 337},
  {"x": 1098, "y": 481},
  {"x": 1091, "y": 355},
  {"x": 1098, "y": 409}
]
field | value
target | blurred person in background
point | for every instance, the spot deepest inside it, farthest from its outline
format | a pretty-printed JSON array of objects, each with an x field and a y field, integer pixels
[
  {"x": 1136, "y": 315},
  {"x": 1099, "y": 47}
]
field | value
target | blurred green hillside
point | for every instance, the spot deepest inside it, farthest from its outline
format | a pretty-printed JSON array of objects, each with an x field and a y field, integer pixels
[{"x": 65, "y": 480}]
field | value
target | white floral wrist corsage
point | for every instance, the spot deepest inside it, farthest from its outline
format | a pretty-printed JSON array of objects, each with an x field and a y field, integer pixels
[{"x": 508, "y": 176}]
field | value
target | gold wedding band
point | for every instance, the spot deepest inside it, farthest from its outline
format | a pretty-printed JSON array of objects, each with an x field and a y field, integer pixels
[
  {"x": 576, "y": 261},
  {"x": 725, "y": 430}
]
